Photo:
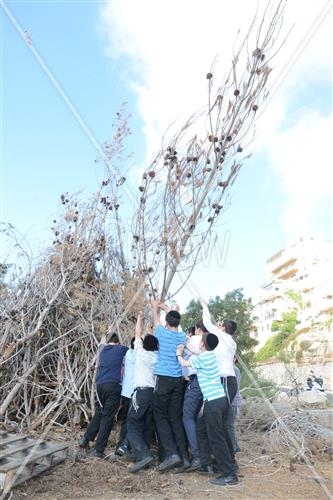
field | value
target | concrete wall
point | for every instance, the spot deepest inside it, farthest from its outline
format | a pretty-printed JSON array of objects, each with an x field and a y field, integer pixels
[{"x": 278, "y": 374}]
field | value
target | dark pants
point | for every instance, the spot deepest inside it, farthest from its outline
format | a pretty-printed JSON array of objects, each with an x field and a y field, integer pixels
[
  {"x": 106, "y": 407},
  {"x": 229, "y": 422},
  {"x": 230, "y": 389},
  {"x": 140, "y": 422},
  {"x": 211, "y": 437},
  {"x": 168, "y": 409},
  {"x": 191, "y": 408},
  {"x": 122, "y": 415}
]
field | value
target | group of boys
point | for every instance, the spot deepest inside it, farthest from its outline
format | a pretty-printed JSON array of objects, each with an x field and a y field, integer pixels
[{"x": 180, "y": 388}]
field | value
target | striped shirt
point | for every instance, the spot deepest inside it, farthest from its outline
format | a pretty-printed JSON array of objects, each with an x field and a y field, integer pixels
[
  {"x": 167, "y": 362},
  {"x": 208, "y": 375}
]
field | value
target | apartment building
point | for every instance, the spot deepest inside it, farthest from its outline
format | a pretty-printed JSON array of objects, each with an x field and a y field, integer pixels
[{"x": 304, "y": 266}]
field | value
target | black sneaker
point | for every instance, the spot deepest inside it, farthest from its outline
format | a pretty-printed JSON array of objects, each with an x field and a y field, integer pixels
[
  {"x": 96, "y": 454},
  {"x": 169, "y": 462},
  {"x": 230, "y": 480},
  {"x": 141, "y": 464},
  {"x": 195, "y": 465},
  {"x": 121, "y": 450},
  {"x": 84, "y": 442}
]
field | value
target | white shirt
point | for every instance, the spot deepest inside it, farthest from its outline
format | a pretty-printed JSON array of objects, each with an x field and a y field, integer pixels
[
  {"x": 145, "y": 362},
  {"x": 127, "y": 388},
  {"x": 192, "y": 349},
  {"x": 226, "y": 348}
]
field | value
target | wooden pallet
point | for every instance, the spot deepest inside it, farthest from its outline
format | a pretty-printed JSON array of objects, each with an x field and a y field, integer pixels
[{"x": 23, "y": 457}]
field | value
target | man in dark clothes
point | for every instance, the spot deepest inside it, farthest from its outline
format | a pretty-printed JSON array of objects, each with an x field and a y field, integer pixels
[{"x": 108, "y": 382}]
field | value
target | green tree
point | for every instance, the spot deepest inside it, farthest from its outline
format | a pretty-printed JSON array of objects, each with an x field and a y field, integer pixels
[
  {"x": 284, "y": 330},
  {"x": 233, "y": 306}
]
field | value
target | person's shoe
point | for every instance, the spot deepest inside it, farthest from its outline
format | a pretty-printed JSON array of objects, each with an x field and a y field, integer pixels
[
  {"x": 206, "y": 469},
  {"x": 184, "y": 466},
  {"x": 230, "y": 480},
  {"x": 169, "y": 462},
  {"x": 141, "y": 464},
  {"x": 195, "y": 464},
  {"x": 84, "y": 442},
  {"x": 96, "y": 454},
  {"x": 121, "y": 450}
]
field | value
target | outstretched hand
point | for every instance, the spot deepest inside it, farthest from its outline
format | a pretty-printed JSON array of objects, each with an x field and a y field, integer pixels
[{"x": 180, "y": 349}]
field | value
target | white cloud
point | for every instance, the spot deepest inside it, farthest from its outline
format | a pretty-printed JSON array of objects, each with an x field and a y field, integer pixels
[
  {"x": 300, "y": 156},
  {"x": 170, "y": 45}
]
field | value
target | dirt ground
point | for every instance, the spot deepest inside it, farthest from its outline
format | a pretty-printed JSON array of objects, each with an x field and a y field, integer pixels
[{"x": 261, "y": 476}]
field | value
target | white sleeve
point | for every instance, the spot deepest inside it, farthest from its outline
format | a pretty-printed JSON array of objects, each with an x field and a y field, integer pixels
[
  {"x": 138, "y": 344},
  {"x": 208, "y": 322},
  {"x": 221, "y": 335}
]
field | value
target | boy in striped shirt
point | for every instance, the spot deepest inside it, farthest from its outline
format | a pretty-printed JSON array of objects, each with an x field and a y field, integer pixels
[{"x": 211, "y": 434}]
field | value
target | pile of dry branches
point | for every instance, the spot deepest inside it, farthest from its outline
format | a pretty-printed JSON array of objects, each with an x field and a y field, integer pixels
[
  {"x": 91, "y": 281},
  {"x": 298, "y": 435}
]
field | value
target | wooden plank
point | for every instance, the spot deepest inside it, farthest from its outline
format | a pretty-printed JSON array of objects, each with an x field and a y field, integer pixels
[
  {"x": 11, "y": 451},
  {"x": 11, "y": 439},
  {"x": 7, "y": 465}
]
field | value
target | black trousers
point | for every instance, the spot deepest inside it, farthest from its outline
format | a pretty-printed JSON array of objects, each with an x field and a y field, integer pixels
[
  {"x": 122, "y": 415},
  {"x": 140, "y": 426},
  {"x": 168, "y": 407},
  {"x": 211, "y": 436},
  {"x": 106, "y": 407},
  {"x": 230, "y": 389}
]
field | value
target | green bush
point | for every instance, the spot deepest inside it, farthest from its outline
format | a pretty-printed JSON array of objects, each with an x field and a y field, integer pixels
[{"x": 285, "y": 332}]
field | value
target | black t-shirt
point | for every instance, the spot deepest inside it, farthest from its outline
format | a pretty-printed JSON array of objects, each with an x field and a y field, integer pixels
[{"x": 110, "y": 363}]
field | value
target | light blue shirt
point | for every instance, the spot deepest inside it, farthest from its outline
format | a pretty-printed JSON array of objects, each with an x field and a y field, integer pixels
[
  {"x": 167, "y": 362},
  {"x": 208, "y": 375},
  {"x": 128, "y": 378}
]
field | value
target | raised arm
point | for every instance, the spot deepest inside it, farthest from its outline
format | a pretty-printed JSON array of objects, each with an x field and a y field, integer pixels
[
  {"x": 156, "y": 312},
  {"x": 206, "y": 319},
  {"x": 138, "y": 326}
]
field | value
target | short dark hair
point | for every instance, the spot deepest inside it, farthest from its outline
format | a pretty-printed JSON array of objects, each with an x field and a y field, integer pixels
[
  {"x": 173, "y": 318},
  {"x": 114, "y": 338},
  {"x": 132, "y": 342},
  {"x": 210, "y": 341},
  {"x": 191, "y": 330},
  {"x": 230, "y": 326},
  {"x": 199, "y": 324},
  {"x": 150, "y": 343}
]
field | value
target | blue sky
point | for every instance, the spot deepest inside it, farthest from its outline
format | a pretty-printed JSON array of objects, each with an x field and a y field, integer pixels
[{"x": 45, "y": 152}]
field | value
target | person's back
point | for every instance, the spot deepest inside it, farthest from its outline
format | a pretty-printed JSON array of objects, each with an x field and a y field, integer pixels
[
  {"x": 168, "y": 340},
  {"x": 108, "y": 385},
  {"x": 169, "y": 393},
  {"x": 145, "y": 364},
  {"x": 111, "y": 358}
]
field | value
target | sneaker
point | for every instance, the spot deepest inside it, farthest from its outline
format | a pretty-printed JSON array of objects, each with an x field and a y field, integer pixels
[
  {"x": 169, "y": 462},
  {"x": 121, "y": 450},
  {"x": 84, "y": 442},
  {"x": 141, "y": 464},
  {"x": 195, "y": 465},
  {"x": 96, "y": 454},
  {"x": 230, "y": 480}
]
